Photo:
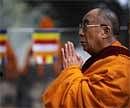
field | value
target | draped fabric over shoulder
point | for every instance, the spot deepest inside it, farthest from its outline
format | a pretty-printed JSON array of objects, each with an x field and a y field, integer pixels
[{"x": 103, "y": 82}]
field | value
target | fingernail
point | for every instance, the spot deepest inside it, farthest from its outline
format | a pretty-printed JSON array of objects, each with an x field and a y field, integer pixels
[{"x": 71, "y": 43}]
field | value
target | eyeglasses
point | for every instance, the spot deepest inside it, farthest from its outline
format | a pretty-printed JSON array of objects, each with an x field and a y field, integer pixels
[{"x": 84, "y": 26}]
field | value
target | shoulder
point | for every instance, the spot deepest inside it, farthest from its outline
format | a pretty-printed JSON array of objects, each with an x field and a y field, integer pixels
[{"x": 110, "y": 63}]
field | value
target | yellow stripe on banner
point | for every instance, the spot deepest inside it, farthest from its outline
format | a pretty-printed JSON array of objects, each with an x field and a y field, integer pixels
[
  {"x": 46, "y": 36},
  {"x": 3, "y": 37}
]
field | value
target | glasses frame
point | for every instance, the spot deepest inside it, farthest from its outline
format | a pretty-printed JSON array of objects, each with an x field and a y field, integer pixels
[{"x": 85, "y": 26}]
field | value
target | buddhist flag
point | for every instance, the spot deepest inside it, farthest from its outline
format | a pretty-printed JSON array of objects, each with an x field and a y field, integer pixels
[
  {"x": 45, "y": 46},
  {"x": 3, "y": 40}
]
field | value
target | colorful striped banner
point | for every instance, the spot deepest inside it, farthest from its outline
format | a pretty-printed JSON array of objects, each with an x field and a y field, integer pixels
[
  {"x": 3, "y": 40},
  {"x": 45, "y": 45}
]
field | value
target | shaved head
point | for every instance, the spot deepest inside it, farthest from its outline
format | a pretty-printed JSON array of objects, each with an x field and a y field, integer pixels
[{"x": 104, "y": 16}]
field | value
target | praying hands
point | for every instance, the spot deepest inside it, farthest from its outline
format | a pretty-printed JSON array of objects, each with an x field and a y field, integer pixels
[{"x": 69, "y": 56}]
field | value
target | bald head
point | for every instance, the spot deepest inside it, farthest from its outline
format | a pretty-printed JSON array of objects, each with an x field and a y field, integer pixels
[{"x": 103, "y": 16}]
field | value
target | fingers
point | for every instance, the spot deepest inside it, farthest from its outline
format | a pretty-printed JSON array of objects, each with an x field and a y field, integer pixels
[
  {"x": 66, "y": 51},
  {"x": 72, "y": 49},
  {"x": 68, "y": 55},
  {"x": 63, "y": 54},
  {"x": 63, "y": 57},
  {"x": 69, "y": 49}
]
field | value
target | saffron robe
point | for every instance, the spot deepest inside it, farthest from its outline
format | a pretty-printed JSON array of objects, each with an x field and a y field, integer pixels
[{"x": 103, "y": 82}]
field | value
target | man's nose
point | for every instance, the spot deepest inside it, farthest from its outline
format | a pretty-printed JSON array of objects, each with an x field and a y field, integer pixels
[{"x": 81, "y": 33}]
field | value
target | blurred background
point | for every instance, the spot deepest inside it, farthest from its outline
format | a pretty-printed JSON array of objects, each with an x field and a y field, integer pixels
[{"x": 31, "y": 35}]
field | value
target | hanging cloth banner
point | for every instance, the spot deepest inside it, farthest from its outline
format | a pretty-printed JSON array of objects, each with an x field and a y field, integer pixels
[
  {"x": 45, "y": 46},
  {"x": 3, "y": 41}
]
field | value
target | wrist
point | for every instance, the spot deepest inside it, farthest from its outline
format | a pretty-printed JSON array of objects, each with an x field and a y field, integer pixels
[{"x": 72, "y": 66}]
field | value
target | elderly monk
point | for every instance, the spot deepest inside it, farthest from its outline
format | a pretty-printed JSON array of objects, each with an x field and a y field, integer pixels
[{"x": 104, "y": 79}]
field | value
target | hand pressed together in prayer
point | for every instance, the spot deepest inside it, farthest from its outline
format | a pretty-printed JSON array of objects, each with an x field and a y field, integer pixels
[{"x": 69, "y": 56}]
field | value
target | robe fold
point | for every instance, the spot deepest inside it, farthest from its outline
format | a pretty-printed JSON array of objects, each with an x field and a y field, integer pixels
[{"x": 103, "y": 82}]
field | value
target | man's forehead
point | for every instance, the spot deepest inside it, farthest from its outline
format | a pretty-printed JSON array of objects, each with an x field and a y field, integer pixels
[{"x": 91, "y": 15}]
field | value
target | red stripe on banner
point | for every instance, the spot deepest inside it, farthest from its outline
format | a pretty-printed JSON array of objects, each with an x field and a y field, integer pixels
[
  {"x": 45, "y": 41},
  {"x": 2, "y": 42}
]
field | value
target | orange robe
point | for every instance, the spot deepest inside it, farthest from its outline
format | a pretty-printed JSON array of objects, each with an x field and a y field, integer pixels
[{"x": 104, "y": 84}]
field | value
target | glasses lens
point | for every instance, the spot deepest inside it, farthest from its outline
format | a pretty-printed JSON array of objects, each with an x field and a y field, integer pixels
[{"x": 83, "y": 24}]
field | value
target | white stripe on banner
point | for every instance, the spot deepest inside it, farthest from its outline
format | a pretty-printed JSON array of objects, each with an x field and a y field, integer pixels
[
  {"x": 45, "y": 47},
  {"x": 2, "y": 49}
]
